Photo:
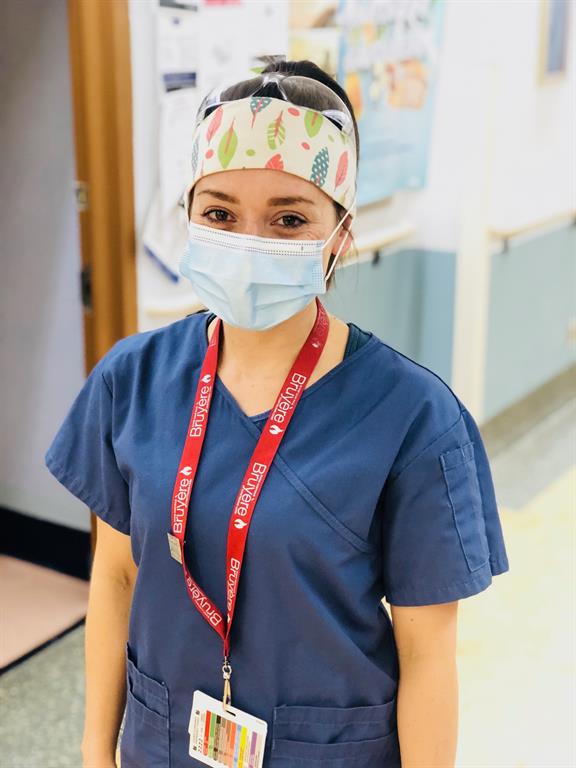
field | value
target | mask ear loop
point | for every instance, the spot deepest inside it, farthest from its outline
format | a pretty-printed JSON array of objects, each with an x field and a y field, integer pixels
[{"x": 331, "y": 269}]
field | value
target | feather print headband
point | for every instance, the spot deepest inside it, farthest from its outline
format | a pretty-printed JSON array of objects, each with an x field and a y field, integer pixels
[{"x": 266, "y": 132}]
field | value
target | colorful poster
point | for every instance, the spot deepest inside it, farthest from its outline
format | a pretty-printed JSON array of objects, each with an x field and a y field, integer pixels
[
  {"x": 389, "y": 66},
  {"x": 385, "y": 54},
  {"x": 314, "y": 34}
]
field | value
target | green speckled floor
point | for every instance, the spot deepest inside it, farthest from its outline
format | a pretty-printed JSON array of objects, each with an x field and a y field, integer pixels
[
  {"x": 41, "y": 707},
  {"x": 516, "y": 655}
]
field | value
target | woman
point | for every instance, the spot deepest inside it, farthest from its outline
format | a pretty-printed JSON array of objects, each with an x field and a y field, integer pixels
[{"x": 276, "y": 472}]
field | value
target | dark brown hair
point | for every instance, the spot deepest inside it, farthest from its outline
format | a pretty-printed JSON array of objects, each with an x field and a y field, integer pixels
[{"x": 311, "y": 99}]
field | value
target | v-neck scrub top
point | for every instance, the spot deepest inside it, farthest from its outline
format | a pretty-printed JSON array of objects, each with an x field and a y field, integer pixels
[{"x": 381, "y": 488}]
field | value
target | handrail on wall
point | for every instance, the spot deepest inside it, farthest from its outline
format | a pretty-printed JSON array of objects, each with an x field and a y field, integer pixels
[
  {"x": 377, "y": 239},
  {"x": 537, "y": 224},
  {"x": 369, "y": 248}
]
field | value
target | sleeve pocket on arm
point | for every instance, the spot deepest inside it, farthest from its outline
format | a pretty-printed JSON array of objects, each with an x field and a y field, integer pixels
[
  {"x": 460, "y": 476},
  {"x": 441, "y": 533}
]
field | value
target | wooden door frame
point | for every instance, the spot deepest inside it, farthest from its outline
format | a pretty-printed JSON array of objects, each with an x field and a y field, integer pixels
[{"x": 101, "y": 78}]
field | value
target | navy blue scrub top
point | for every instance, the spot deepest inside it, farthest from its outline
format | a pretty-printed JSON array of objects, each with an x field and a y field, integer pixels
[{"x": 381, "y": 487}]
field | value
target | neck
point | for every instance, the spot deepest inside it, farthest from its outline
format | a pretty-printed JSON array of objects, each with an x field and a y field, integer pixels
[{"x": 271, "y": 351}]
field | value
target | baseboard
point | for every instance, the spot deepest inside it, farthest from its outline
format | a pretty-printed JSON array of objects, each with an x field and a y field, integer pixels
[{"x": 52, "y": 545}]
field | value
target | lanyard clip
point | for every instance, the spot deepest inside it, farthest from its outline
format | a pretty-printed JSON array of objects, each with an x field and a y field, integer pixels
[
  {"x": 226, "y": 673},
  {"x": 174, "y": 544}
]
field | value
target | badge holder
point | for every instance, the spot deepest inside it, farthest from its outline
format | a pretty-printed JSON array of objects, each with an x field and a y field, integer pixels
[{"x": 225, "y": 737}]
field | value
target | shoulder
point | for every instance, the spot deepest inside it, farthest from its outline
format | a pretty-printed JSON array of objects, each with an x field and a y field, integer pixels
[
  {"x": 157, "y": 350},
  {"x": 423, "y": 407},
  {"x": 421, "y": 387}
]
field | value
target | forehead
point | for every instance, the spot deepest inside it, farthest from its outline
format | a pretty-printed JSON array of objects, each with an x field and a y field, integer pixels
[{"x": 264, "y": 185}]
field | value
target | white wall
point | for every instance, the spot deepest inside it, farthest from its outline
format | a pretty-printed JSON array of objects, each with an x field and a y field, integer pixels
[{"x": 41, "y": 332}]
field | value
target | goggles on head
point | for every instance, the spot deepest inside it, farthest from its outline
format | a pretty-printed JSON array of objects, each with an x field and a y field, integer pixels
[
  {"x": 297, "y": 89},
  {"x": 266, "y": 122}
]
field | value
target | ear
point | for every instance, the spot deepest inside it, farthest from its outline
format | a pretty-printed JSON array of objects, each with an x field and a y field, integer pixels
[{"x": 343, "y": 234}]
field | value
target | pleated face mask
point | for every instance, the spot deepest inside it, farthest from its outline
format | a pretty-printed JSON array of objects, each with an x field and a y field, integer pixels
[{"x": 254, "y": 282}]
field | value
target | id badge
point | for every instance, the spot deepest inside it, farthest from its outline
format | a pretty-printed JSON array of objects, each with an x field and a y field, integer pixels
[{"x": 225, "y": 740}]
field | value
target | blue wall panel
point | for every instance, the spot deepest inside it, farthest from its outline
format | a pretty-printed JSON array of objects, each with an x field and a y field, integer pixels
[
  {"x": 407, "y": 299},
  {"x": 532, "y": 298}
]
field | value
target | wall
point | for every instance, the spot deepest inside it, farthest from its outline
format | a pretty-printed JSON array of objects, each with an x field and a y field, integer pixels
[
  {"x": 532, "y": 304},
  {"x": 41, "y": 342}
]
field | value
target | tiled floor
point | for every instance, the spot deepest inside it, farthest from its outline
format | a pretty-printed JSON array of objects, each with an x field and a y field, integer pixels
[
  {"x": 516, "y": 650},
  {"x": 516, "y": 644},
  {"x": 41, "y": 706}
]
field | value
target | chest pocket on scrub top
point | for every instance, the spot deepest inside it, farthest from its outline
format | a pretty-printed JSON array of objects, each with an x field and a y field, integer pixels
[
  {"x": 146, "y": 737},
  {"x": 339, "y": 737}
]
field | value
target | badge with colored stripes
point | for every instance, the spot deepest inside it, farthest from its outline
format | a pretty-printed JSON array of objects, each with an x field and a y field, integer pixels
[{"x": 222, "y": 738}]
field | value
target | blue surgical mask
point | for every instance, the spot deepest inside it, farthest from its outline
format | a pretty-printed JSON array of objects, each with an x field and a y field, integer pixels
[{"x": 254, "y": 282}]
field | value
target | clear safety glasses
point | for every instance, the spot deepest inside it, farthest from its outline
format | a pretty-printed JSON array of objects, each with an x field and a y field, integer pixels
[{"x": 297, "y": 89}]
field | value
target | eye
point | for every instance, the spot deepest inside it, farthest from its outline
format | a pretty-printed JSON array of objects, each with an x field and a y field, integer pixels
[
  {"x": 216, "y": 220},
  {"x": 297, "y": 221},
  {"x": 289, "y": 220}
]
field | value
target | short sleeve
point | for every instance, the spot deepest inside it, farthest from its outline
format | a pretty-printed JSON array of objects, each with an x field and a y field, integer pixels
[
  {"x": 441, "y": 533},
  {"x": 82, "y": 457}
]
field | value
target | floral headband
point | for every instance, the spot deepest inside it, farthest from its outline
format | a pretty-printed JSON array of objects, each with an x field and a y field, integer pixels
[{"x": 265, "y": 132}]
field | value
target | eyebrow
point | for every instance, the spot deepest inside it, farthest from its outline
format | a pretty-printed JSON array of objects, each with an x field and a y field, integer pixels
[{"x": 286, "y": 200}]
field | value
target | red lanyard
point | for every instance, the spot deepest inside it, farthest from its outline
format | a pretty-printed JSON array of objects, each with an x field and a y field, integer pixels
[{"x": 260, "y": 462}]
